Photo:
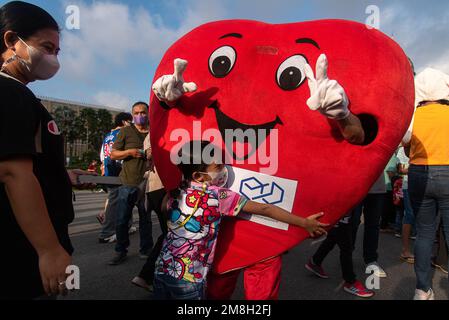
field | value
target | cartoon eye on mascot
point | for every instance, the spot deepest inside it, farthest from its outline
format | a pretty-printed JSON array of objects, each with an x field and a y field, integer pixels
[{"x": 254, "y": 75}]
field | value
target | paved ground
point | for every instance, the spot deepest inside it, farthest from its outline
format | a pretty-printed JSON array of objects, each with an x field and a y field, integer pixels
[{"x": 102, "y": 282}]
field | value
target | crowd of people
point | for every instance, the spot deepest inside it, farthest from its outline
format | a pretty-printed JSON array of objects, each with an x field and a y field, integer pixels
[{"x": 410, "y": 199}]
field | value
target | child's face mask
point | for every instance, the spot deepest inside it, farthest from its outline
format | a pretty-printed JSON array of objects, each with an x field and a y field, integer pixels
[{"x": 218, "y": 179}]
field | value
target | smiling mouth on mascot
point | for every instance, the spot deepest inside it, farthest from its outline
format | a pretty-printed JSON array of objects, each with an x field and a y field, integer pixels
[{"x": 250, "y": 75}]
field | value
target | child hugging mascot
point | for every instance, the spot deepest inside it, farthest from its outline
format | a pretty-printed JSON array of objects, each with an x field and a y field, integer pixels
[{"x": 330, "y": 129}]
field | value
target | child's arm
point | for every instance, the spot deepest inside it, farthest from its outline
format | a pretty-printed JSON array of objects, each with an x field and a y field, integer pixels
[{"x": 311, "y": 224}]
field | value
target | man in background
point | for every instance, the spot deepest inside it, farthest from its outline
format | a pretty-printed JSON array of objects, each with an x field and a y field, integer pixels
[{"x": 129, "y": 148}]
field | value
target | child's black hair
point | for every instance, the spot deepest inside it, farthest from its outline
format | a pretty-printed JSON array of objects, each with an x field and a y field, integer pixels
[
  {"x": 192, "y": 162},
  {"x": 121, "y": 117}
]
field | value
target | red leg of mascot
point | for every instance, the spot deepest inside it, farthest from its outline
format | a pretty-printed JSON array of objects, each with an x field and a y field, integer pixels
[{"x": 261, "y": 281}]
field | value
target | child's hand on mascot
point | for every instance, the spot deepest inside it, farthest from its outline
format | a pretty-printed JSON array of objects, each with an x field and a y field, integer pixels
[
  {"x": 169, "y": 88},
  {"x": 314, "y": 227},
  {"x": 326, "y": 96}
]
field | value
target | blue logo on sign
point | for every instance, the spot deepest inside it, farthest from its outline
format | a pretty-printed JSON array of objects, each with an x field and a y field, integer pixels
[{"x": 254, "y": 189}]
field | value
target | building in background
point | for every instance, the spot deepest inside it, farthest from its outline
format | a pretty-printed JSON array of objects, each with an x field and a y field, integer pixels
[{"x": 82, "y": 124}]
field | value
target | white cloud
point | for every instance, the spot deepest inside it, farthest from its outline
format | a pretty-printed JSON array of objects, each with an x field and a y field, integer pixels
[
  {"x": 112, "y": 34},
  {"x": 112, "y": 100},
  {"x": 421, "y": 29},
  {"x": 202, "y": 11},
  {"x": 440, "y": 64}
]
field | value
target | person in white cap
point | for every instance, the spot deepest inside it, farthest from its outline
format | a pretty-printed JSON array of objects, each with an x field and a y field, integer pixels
[{"x": 428, "y": 140}]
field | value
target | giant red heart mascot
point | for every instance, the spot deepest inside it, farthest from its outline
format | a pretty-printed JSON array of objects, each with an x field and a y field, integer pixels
[{"x": 249, "y": 75}]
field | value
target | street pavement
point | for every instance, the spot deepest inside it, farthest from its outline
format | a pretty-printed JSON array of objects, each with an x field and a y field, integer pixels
[{"x": 102, "y": 282}]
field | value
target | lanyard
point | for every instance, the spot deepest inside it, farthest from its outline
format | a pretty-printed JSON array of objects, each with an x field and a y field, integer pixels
[{"x": 195, "y": 209}]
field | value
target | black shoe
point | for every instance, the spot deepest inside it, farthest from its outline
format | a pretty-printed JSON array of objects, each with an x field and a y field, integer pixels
[{"x": 118, "y": 259}]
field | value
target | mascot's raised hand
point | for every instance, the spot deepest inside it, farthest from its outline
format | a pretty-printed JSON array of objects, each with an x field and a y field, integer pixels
[
  {"x": 169, "y": 88},
  {"x": 326, "y": 96}
]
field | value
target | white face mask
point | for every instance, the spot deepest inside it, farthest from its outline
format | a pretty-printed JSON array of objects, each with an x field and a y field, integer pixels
[
  {"x": 40, "y": 66},
  {"x": 219, "y": 179}
]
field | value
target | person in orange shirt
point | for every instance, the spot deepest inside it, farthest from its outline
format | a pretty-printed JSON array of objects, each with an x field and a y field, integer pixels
[{"x": 428, "y": 140}]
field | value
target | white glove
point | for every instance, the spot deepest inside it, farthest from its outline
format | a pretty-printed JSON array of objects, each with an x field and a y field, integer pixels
[
  {"x": 326, "y": 96},
  {"x": 170, "y": 88}
]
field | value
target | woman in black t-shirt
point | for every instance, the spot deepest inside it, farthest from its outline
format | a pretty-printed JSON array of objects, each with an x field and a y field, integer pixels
[{"x": 35, "y": 189}]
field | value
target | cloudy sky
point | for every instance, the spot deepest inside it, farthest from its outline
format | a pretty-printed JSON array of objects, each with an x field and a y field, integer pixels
[{"x": 112, "y": 58}]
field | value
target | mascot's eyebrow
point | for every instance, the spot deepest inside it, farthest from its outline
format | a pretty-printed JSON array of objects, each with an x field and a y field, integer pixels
[
  {"x": 309, "y": 41},
  {"x": 235, "y": 35}
]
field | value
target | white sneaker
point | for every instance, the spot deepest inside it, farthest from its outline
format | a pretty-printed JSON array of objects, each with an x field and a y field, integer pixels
[
  {"x": 132, "y": 230},
  {"x": 378, "y": 271},
  {"x": 422, "y": 295},
  {"x": 110, "y": 239}
]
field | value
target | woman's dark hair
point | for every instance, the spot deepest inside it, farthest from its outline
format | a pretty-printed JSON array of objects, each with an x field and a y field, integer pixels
[
  {"x": 191, "y": 155},
  {"x": 25, "y": 19},
  {"x": 123, "y": 116}
]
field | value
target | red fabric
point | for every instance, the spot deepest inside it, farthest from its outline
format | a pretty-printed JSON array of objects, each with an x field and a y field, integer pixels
[
  {"x": 333, "y": 175},
  {"x": 261, "y": 281},
  {"x": 398, "y": 195}
]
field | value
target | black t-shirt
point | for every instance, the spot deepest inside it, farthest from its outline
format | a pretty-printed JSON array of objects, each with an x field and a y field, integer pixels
[{"x": 27, "y": 129}]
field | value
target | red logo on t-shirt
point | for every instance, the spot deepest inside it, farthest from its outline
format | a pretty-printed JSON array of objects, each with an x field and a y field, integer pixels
[{"x": 53, "y": 128}]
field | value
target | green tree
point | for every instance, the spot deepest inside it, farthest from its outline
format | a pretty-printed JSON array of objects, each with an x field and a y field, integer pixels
[
  {"x": 104, "y": 125},
  {"x": 65, "y": 118},
  {"x": 96, "y": 124}
]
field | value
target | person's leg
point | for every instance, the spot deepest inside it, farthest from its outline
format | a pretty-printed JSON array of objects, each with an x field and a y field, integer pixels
[
  {"x": 125, "y": 206},
  {"x": 262, "y": 280},
  {"x": 184, "y": 290},
  {"x": 399, "y": 219},
  {"x": 355, "y": 222},
  {"x": 425, "y": 209},
  {"x": 385, "y": 213},
  {"x": 109, "y": 226},
  {"x": 167, "y": 287},
  {"x": 326, "y": 246},
  {"x": 147, "y": 271},
  {"x": 160, "y": 290},
  {"x": 145, "y": 228},
  {"x": 221, "y": 286},
  {"x": 407, "y": 226},
  {"x": 437, "y": 242},
  {"x": 156, "y": 198},
  {"x": 344, "y": 241},
  {"x": 374, "y": 204},
  {"x": 149, "y": 209},
  {"x": 441, "y": 250},
  {"x": 392, "y": 209},
  {"x": 443, "y": 206}
]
